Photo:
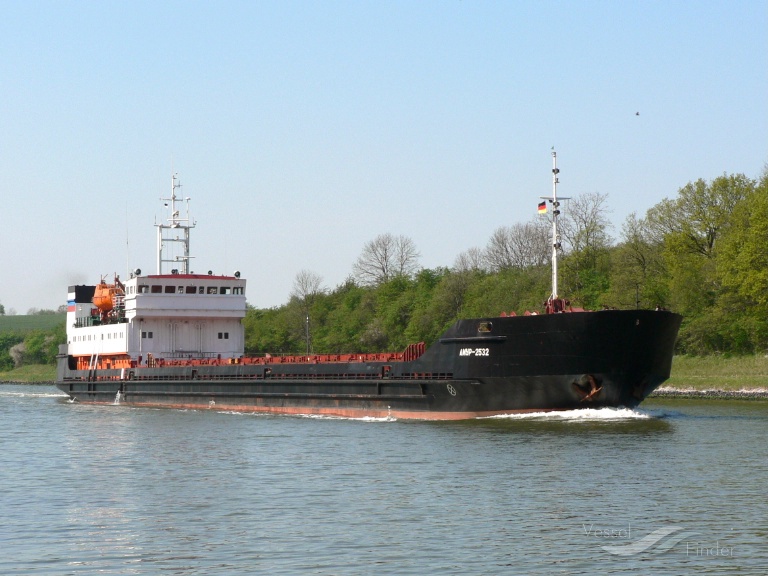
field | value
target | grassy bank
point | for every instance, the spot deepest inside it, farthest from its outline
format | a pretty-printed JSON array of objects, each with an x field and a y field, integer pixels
[
  {"x": 35, "y": 373},
  {"x": 696, "y": 372},
  {"x": 717, "y": 372}
]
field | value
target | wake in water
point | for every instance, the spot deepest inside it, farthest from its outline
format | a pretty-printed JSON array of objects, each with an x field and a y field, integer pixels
[
  {"x": 361, "y": 419},
  {"x": 33, "y": 394},
  {"x": 309, "y": 416},
  {"x": 579, "y": 415}
]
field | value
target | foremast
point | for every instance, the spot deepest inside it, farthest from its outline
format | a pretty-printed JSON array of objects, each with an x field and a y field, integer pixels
[
  {"x": 174, "y": 233},
  {"x": 554, "y": 302}
]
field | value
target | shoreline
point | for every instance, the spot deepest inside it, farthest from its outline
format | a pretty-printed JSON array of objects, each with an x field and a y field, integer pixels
[{"x": 710, "y": 393}]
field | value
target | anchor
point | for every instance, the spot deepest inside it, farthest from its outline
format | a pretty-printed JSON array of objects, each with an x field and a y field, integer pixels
[{"x": 587, "y": 388}]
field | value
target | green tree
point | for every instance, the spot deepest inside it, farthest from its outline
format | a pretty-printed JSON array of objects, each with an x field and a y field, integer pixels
[
  {"x": 586, "y": 241},
  {"x": 41, "y": 346},
  {"x": 442, "y": 306},
  {"x": 350, "y": 309},
  {"x": 691, "y": 228},
  {"x": 507, "y": 291},
  {"x": 743, "y": 261},
  {"x": 638, "y": 275},
  {"x": 7, "y": 341},
  {"x": 424, "y": 317},
  {"x": 742, "y": 266},
  {"x": 269, "y": 331},
  {"x": 695, "y": 220}
]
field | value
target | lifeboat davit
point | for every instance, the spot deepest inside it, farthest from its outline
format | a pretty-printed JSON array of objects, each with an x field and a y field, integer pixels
[{"x": 104, "y": 295}]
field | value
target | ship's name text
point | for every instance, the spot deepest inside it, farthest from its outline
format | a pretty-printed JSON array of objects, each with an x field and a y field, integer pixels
[{"x": 475, "y": 352}]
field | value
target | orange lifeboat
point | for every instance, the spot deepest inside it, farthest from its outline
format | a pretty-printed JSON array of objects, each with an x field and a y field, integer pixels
[{"x": 104, "y": 295}]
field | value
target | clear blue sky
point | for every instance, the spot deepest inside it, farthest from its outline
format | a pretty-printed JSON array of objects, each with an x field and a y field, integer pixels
[{"x": 301, "y": 130}]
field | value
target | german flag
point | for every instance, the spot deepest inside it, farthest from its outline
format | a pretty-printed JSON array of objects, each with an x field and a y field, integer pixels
[{"x": 543, "y": 207}]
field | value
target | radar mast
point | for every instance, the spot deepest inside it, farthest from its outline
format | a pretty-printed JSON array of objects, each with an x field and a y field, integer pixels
[{"x": 174, "y": 232}]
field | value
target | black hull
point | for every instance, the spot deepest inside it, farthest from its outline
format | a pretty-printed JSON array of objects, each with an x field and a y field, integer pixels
[{"x": 479, "y": 367}]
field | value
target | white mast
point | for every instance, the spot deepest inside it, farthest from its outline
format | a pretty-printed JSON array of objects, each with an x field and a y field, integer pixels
[
  {"x": 168, "y": 234},
  {"x": 556, "y": 245},
  {"x": 555, "y": 214}
]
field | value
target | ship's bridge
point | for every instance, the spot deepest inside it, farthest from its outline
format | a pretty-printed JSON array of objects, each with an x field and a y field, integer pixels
[
  {"x": 185, "y": 315},
  {"x": 163, "y": 315},
  {"x": 185, "y": 295}
]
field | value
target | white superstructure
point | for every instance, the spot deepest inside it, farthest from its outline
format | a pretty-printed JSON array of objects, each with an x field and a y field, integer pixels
[{"x": 170, "y": 316}]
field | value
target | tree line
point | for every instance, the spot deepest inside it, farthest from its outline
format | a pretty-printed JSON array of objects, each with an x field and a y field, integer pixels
[
  {"x": 34, "y": 311},
  {"x": 702, "y": 253},
  {"x": 32, "y": 338},
  {"x": 35, "y": 347}
]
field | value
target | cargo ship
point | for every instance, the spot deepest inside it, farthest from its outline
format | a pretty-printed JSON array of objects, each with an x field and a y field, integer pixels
[{"x": 175, "y": 339}]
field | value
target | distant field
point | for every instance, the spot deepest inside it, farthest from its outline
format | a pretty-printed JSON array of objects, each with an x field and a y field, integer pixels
[{"x": 25, "y": 323}]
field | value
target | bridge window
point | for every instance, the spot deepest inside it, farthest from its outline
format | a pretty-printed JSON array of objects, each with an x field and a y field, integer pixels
[
  {"x": 157, "y": 289},
  {"x": 212, "y": 290},
  {"x": 143, "y": 289},
  {"x": 224, "y": 290},
  {"x": 191, "y": 290},
  {"x": 170, "y": 289}
]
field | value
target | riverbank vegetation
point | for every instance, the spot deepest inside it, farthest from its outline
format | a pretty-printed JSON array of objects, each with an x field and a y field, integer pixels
[
  {"x": 31, "y": 374},
  {"x": 722, "y": 373},
  {"x": 702, "y": 253},
  {"x": 22, "y": 347}
]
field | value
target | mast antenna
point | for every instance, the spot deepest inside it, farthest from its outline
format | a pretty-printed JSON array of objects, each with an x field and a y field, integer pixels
[
  {"x": 556, "y": 240},
  {"x": 175, "y": 231}
]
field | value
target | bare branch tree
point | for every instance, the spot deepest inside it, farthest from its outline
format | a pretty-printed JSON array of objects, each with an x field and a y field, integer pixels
[
  {"x": 406, "y": 256},
  {"x": 634, "y": 240},
  {"x": 518, "y": 246},
  {"x": 386, "y": 257},
  {"x": 17, "y": 353},
  {"x": 585, "y": 225},
  {"x": 469, "y": 261},
  {"x": 306, "y": 286}
]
